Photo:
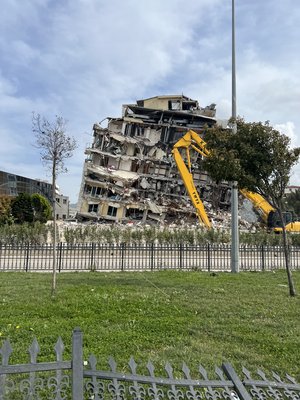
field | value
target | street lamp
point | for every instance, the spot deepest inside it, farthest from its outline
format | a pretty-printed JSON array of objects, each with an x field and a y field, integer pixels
[{"x": 234, "y": 190}]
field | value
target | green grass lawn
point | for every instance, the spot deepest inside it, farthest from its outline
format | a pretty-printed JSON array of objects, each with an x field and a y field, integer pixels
[{"x": 247, "y": 319}]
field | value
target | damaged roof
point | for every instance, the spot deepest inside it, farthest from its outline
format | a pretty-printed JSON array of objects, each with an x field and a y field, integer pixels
[{"x": 154, "y": 112}]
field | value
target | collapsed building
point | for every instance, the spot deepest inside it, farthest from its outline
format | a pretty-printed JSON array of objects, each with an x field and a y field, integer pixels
[{"x": 129, "y": 173}]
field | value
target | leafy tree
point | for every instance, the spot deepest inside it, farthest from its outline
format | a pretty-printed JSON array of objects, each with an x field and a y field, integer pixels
[
  {"x": 292, "y": 202},
  {"x": 55, "y": 147},
  {"x": 42, "y": 208},
  {"x": 29, "y": 208},
  {"x": 22, "y": 209},
  {"x": 5, "y": 210},
  {"x": 260, "y": 159}
]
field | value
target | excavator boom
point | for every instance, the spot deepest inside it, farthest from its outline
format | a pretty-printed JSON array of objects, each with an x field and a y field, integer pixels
[
  {"x": 191, "y": 139},
  {"x": 261, "y": 204},
  {"x": 191, "y": 188}
]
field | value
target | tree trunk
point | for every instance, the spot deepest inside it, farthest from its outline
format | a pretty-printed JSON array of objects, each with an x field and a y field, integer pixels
[
  {"x": 287, "y": 256},
  {"x": 215, "y": 196},
  {"x": 54, "y": 228}
]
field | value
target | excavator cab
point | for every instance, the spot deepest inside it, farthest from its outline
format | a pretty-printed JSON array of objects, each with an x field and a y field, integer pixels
[
  {"x": 291, "y": 222},
  {"x": 275, "y": 222}
]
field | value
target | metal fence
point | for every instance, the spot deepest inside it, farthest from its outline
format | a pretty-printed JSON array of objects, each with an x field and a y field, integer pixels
[
  {"x": 81, "y": 380},
  {"x": 128, "y": 257}
]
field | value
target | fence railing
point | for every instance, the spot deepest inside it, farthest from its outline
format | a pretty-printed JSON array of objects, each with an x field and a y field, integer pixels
[
  {"x": 128, "y": 257},
  {"x": 78, "y": 379}
]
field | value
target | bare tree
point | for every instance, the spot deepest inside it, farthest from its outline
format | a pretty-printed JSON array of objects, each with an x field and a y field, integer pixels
[{"x": 56, "y": 146}]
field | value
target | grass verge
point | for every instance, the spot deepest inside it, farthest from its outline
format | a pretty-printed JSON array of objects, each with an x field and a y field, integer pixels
[{"x": 247, "y": 319}]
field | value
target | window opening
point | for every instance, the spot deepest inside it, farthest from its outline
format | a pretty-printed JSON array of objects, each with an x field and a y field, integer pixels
[
  {"x": 93, "y": 208},
  {"x": 112, "y": 211}
]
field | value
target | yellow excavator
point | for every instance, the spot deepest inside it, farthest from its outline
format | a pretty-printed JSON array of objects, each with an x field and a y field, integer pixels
[{"x": 268, "y": 214}]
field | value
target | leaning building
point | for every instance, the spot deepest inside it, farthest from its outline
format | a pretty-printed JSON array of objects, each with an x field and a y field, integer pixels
[{"x": 129, "y": 173}]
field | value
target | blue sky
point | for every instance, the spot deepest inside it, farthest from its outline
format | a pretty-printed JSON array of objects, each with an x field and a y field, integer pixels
[{"x": 83, "y": 59}]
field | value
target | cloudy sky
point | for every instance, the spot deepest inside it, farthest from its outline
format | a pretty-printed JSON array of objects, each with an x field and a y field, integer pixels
[{"x": 83, "y": 59}]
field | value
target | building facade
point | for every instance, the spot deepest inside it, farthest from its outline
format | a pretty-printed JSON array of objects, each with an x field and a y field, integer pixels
[
  {"x": 12, "y": 185},
  {"x": 129, "y": 173},
  {"x": 62, "y": 206}
]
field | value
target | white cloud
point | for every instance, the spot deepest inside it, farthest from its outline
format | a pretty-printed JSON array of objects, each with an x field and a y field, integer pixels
[
  {"x": 289, "y": 129},
  {"x": 84, "y": 58}
]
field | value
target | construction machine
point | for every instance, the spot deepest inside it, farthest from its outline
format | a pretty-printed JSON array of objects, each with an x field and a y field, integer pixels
[{"x": 268, "y": 214}]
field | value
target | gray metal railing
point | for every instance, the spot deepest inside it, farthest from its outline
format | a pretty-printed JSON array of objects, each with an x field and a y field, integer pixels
[
  {"x": 128, "y": 257},
  {"x": 78, "y": 380}
]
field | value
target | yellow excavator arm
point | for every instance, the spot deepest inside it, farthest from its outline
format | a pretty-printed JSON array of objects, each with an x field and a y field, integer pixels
[
  {"x": 192, "y": 140},
  {"x": 259, "y": 203}
]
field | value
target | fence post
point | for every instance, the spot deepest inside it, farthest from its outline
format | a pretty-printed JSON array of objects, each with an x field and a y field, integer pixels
[
  {"x": 92, "y": 262},
  {"x": 59, "y": 256},
  {"x": 262, "y": 257},
  {"x": 238, "y": 384},
  {"x": 208, "y": 257},
  {"x": 122, "y": 255},
  {"x": 180, "y": 255},
  {"x": 77, "y": 365},
  {"x": 152, "y": 256},
  {"x": 27, "y": 257}
]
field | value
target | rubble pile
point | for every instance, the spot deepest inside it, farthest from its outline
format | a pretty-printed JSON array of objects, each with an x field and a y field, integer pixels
[{"x": 91, "y": 232}]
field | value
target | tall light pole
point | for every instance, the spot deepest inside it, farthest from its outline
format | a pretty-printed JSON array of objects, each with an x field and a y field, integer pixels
[{"x": 234, "y": 190}]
